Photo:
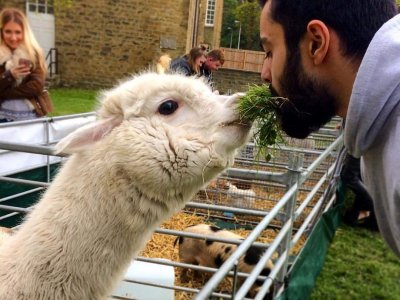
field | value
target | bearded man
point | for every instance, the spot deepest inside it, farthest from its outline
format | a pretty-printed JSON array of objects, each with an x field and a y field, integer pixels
[{"x": 342, "y": 57}]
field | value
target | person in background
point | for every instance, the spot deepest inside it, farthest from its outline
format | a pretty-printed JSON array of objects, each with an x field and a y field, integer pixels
[
  {"x": 214, "y": 60},
  {"x": 342, "y": 58},
  {"x": 163, "y": 63},
  {"x": 190, "y": 63},
  {"x": 22, "y": 68},
  {"x": 361, "y": 212}
]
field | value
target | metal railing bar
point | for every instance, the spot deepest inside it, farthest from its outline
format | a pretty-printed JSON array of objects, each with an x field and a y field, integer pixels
[
  {"x": 256, "y": 175},
  {"x": 177, "y": 288},
  {"x": 15, "y": 209},
  {"x": 290, "y": 148},
  {"x": 267, "y": 283},
  {"x": 227, "y": 266},
  {"x": 226, "y": 209},
  {"x": 9, "y": 216},
  {"x": 313, "y": 192},
  {"x": 190, "y": 266},
  {"x": 206, "y": 237},
  {"x": 21, "y": 147},
  {"x": 307, "y": 220},
  {"x": 311, "y": 168},
  {"x": 246, "y": 286},
  {"x": 46, "y": 119},
  {"x": 231, "y": 219},
  {"x": 25, "y": 181},
  {"x": 21, "y": 194},
  {"x": 330, "y": 203},
  {"x": 39, "y": 165}
]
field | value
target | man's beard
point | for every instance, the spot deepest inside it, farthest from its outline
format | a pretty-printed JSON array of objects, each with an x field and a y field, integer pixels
[{"x": 309, "y": 105}]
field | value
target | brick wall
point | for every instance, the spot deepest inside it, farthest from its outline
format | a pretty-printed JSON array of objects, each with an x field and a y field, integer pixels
[
  {"x": 13, "y": 3},
  {"x": 236, "y": 81},
  {"x": 102, "y": 41}
]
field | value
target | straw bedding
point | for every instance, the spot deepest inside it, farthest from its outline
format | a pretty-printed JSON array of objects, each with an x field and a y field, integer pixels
[{"x": 162, "y": 246}]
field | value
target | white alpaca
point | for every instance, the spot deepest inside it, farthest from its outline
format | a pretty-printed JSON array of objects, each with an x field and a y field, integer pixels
[
  {"x": 4, "y": 234},
  {"x": 158, "y": 139}
]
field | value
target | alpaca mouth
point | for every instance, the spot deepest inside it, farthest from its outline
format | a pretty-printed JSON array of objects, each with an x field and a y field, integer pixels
[{"x": 237, "y": 122}]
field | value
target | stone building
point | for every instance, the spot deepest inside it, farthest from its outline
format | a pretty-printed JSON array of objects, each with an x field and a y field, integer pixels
[{"x": 100, "y": 42}]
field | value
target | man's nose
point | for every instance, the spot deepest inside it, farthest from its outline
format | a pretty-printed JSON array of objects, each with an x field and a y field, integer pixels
[{"x": 266, "y": 71}]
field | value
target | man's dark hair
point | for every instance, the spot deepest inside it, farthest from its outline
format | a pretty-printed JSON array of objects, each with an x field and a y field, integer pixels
[{"x": 355, "y": 21}]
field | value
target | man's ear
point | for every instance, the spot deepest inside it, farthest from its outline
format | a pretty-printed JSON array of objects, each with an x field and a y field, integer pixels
[{"x": 318, "y": 39}]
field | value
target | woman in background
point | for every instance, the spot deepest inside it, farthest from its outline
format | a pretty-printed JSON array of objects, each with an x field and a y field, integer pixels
[
  {"x": 190, "y": 63},
  {"x": 22, "y": 68}
]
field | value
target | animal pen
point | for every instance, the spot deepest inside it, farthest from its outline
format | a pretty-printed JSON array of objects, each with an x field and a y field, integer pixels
[{"x": 284, "y": 205}]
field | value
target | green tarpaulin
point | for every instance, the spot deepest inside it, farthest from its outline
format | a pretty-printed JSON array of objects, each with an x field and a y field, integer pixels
[
  {"x": 8, "y": 189},
  {"x": 309, "y": 263}
]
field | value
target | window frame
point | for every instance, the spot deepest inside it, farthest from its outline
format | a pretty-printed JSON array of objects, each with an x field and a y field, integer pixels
[
  {"x": 210, "y": 13},
  {"x": 41, "y": 6}
]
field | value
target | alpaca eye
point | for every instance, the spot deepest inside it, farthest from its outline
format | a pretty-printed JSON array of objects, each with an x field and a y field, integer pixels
[{"x": 168, "y": 107}]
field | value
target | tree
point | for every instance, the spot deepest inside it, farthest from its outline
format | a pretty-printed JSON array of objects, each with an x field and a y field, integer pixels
[
  {"x": 229, "y": 30},
  {"x": 248, "y": 14}
]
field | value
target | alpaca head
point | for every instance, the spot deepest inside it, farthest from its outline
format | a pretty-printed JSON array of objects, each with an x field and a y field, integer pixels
[{"x": 167, "y": 131}]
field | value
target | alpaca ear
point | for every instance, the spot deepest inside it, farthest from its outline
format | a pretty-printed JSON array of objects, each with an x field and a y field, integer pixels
[{"x": 86, "y": 136}]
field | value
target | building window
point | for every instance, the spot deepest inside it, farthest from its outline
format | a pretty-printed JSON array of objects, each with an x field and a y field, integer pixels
[
  {"x": 41, "y": 6},
  {"x": 210, "y": 13}
]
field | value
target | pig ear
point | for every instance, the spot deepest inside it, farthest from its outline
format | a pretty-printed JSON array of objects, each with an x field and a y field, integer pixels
[{"x": 86, "y": 136}]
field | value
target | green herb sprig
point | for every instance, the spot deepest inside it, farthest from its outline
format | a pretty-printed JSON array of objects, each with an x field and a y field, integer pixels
[{"x": 259, "y": 106}]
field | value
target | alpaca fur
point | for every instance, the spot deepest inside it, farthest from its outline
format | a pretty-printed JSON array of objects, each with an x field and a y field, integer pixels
[
  {"x": 129, "y": 171},
  {"x": 4, "y": 234}
]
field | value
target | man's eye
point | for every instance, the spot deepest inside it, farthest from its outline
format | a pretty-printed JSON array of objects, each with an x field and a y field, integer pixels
[
  {"x": 168, "y": 107},
  {"x": 268, "y": 54}
]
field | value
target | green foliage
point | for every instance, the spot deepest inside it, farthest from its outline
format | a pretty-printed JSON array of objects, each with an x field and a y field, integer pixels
[
  {"x": 229, "y": 28},
  {"x": 258, "y": 105},
  {"x": 248, "y": 13}
]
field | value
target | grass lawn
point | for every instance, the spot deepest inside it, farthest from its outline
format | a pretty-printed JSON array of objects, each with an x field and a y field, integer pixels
[
  {"x": 71, "y": 101},
  {"x": 359, "y": 265}
]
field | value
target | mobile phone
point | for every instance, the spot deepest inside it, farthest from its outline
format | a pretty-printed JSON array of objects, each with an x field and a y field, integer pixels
[{"x": 24, "y": 61}]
